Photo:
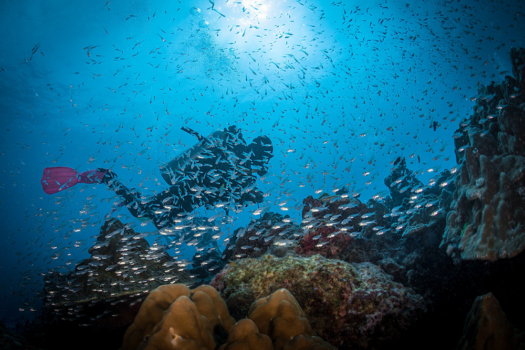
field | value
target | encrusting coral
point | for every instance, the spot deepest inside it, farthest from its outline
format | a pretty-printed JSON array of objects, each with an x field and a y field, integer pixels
[
  {"x": 345, "y": 303},
  {"x": 174, "y": 317}
]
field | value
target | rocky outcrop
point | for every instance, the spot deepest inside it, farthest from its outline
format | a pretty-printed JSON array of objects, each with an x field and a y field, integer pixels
[
  {"x": 267, "y": 233},
  {"x": 487, "y": 327},
  {"x": 352, "y": 304},
  {"x": 487, "y": 220},
  {"x": 123, "y": 267}
]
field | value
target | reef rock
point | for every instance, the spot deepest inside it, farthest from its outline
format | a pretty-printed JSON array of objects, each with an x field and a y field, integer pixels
[
  {"x": 13, "y": 341},
  {"x": 487, "y": 327},
  {"x": 400, "y": 181},
  {"x": 349, "y": 305},
  {"x": 205, "y": 265},
  {"x": 329, "y": 224},
  {"x": 342, "y": 227},
  {"x": 269, "y": 231},
  {"x": 123, "y": 267},
  {"x": 414, "y": 208},
  {"x": 487, "y": 220}
]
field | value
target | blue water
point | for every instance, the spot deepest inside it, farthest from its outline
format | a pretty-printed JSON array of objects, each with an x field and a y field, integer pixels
[{"x": 341, "y": 87}]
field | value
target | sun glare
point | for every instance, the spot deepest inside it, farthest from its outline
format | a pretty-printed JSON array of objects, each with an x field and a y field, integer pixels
[{"x": 251, "y": 11}]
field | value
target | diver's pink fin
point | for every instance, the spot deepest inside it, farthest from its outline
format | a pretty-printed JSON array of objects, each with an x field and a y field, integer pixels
[
  {"x": 91, "y": 176},
  {"x": 56, "y": 179}
]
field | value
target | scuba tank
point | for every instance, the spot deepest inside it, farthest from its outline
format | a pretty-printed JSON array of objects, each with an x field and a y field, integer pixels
[{"x": 174, "y": 170}]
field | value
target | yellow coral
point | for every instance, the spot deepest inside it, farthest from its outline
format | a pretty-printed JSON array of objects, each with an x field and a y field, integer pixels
[
  {"x": 168, "y": 319},
  {"x": 212, "y": 306},
  {"x": 182, "y": 328},
  {"x": 246, "y": 336},
  {"x": 151, "y": 313},
  {"x": 280, "y": 317}
]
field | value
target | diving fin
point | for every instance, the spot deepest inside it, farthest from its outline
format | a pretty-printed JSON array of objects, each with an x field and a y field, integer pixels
[{"x": 56, "y": 179}]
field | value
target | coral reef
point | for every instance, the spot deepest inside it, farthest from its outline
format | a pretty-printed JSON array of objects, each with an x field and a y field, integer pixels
[
  {"x": 389, "y": 247},
  {"x": 413, "y": 207},
  {"x": 400, "y": 180},
  {"x": 316, "y": 241},
  {"x": 342, "y": 227},
  {"x": 329, "y": 224},
  {"x": 346, "y": 304},
  {"x": 205, "y": 266},
  {"x": 261, "y": 235},
  {"x": 122, "y": 268},
  {"x": 396, "y": 232},
  {"x": 172, "y": 316},
  {"x": 487, "y": 219},
  {"x": 487, "y": 327}
]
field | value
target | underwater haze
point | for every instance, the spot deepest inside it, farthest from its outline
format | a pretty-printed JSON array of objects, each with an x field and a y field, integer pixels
[{"x": 343, "y": 89}]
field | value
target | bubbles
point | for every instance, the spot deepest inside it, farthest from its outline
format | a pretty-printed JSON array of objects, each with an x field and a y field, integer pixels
[{"x": 195, "y": 11}]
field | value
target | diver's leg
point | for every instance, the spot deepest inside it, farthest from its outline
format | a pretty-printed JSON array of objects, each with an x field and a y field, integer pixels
[
  {"x": 168, "y": 204},
  {"x": 178, "y": 199},
  {"x": 131, "y": 197}
]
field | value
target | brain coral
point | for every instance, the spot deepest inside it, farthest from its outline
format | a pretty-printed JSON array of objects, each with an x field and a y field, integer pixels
[{"x": 345, "y": 304}]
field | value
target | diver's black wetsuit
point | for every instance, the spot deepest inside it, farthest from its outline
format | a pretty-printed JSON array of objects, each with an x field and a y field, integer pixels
[{"x": 221, "y": 173}]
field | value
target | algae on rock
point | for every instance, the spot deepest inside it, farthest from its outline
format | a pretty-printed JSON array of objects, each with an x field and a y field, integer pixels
[{"x": 345, "y": 303}]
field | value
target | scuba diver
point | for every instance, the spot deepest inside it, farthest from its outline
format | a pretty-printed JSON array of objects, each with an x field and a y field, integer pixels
[{"x": 219, "y": 169}]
